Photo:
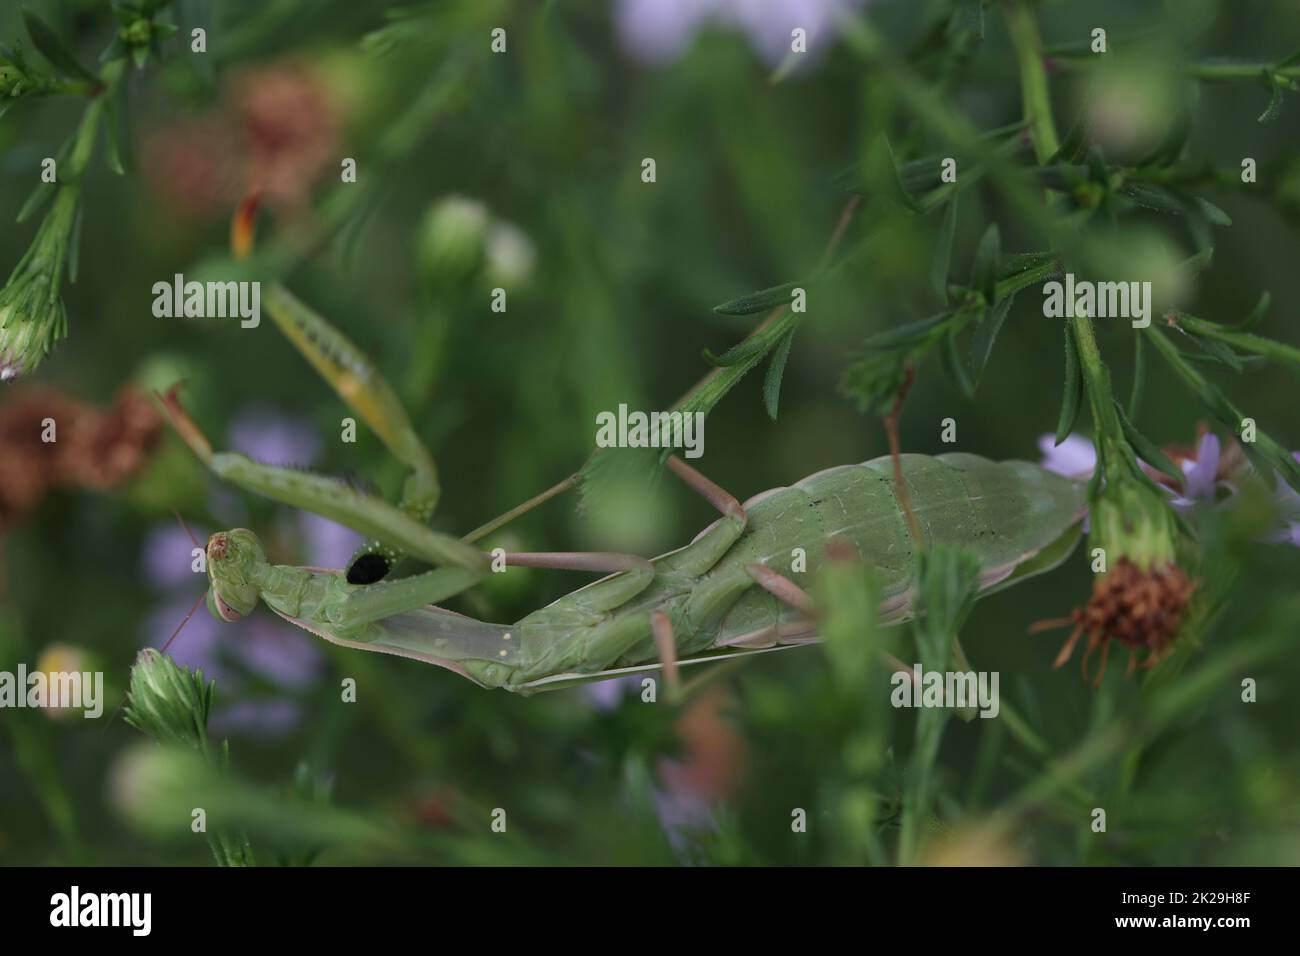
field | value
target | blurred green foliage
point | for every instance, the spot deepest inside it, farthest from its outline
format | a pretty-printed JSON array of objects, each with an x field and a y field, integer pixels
[{"x": 541, "y": 148}]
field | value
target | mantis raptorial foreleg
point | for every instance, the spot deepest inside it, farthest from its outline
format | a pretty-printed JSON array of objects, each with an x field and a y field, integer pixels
[
  {"x": 328, "y": 497},
  {"x": 351, "y": 374},
  {"x": 355, "y": 379}
]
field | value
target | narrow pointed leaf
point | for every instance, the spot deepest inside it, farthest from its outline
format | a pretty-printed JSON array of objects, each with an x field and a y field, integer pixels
[
  {"x": 956, "y": 370},
  {"x": 40, "y": 198},
  {"x": 53, "y": 49},
  {"x": 772, "y": 383},
  {"x": 985, "y": 334},
  {"x": 759, "y": 301},
  {"x": 1148, "y": 450},
  {"x": 1274, "y": 108},
  {"x": 741, "y": 351},
  {"x": 984, "y": 274},
  {"x": 905, "y": 334},
  {"x": 1072, "y": 391},
  {"x": 1257, "y": 313},
  {"x": 74, "y": 245},
  {"x": 1139, "y": 378},
  {"x": 943, "y": 251}
]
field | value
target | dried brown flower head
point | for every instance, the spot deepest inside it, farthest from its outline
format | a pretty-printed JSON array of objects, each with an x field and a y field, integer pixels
[
  {"x": 94, "y": 448},
  {"x": 1141, "y": 609}
]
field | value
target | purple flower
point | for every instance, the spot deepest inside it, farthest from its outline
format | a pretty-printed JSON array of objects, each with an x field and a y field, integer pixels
[
  {"x": 1200, "y": 476},
  {"x": 608, "y": 694},
  {"x": 328, "y": 544},
  {"x": 659, "y": 31},
  {"x": 277, "y": 439},
  {"x": 257, "y": 717},
  {"x": 680, "y": 807},
  {"x": 1075, "y": 457},
  {"x": 278, "y": 652},
  {"x": 1287, "y": 500},
  {"x": 168, "y": 555}
]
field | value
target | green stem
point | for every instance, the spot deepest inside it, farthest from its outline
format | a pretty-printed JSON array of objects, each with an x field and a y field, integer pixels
[
  {"x": 1034, "y": 93},
  {"x": 1036, "y": 98},
  {"x": 1208, "y": 71},
  {"x": 1246, "y": 341},
  {"x": 84, "y": 145}
]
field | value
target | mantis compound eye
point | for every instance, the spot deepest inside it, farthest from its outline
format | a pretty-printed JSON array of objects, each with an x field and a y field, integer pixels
[{"x": 220, "y": 609}]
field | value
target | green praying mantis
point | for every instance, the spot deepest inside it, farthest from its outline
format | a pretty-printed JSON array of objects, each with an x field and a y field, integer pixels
[{"x": 731, "y": 591}]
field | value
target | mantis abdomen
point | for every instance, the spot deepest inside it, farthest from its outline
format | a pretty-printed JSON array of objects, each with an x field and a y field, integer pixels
[
  {"x": 1016, "y": 516},
  {"x": 1006, "y": 512}
]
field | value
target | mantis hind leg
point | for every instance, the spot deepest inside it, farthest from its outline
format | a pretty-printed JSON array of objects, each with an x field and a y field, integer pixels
[{"x": 712, "y": 543}]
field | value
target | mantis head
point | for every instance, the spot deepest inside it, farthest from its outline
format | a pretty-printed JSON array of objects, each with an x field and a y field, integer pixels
[{"x": 234, "y": 558}]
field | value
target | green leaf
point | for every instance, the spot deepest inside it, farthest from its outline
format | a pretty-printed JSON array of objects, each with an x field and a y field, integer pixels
[
  {"x": 1072, "y": 390},
  {"x": 943, "y": 251},
  {"x": 873, "y": 381},
  {"x": 1015, "y": 263},
  {"x": 118, "y": 155},
  {"x": 1213, "y": 213},
  {"x": 40, "y": 198},
  {"x": 1257, "y": 313},
  {"x": 1148, "y": 450},
  {"x": 740, "y": 352},
  {"x": 882, "y": 171},
  {"x": 947, "y": 582},
  {"x": 1195, "y": 265},
  {"x": 905, "y": 334},
  {"x": 1153, "y": 197},
  {"x": 984, "y": 273},
  {"x": 759, "y": 301},
  {"x": 772, "y": 382},
  {"x": 52, "y": 48},
  {"x": 1075, "y": 144},
  {"x": 74, "y": 244},
  {"x": 956, "y": 370},
  {"x": 1139, "y": 378},
  {"x": 1274, "y": 108},
  {"x": 985, "y": 334},
  {"x": 1219, "y": 352}
]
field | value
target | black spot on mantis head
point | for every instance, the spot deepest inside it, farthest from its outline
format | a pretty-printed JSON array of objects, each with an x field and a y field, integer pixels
[{"x": 234, "y": 558}]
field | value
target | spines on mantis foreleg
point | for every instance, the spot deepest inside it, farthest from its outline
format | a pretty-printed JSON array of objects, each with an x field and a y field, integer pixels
[{"x": 352, "y": 375}]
